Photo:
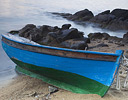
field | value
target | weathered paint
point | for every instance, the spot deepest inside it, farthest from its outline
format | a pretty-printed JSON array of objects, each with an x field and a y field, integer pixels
[
  {"x": 61, "y": 52},
  {"x": 98, "y": 70},
  {"x": 65, "y": 80}
]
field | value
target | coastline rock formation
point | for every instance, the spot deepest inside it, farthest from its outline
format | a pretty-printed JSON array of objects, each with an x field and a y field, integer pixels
[
  {"x": 65, "y": 36},
  {"x": 112, "y": 20}
]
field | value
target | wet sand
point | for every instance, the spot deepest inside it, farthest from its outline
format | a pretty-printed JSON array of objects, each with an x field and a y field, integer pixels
[{"x": 27, "y": 88}]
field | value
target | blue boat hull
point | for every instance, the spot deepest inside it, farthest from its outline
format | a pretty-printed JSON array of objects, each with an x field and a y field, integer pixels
[{"x": 100, "y": 71}]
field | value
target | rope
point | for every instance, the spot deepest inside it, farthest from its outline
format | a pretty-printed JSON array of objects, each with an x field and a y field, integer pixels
[
  {"x": 118, "y": 81},
  {"x": 124, "y": 68},
  {"x": 125, "y": 64}
]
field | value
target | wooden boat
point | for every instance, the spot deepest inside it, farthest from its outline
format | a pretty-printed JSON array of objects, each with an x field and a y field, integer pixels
[{"x": 79, "y": 71}]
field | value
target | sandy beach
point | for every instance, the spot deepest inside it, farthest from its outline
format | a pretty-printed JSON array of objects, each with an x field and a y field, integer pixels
[{"x": 26, "y": 88}]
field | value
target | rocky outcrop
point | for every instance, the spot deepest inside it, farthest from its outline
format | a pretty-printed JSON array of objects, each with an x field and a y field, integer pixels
[
  {"x": 67, "y": 37},
  {"x": 115, "y": 20},
  {"x": 125, "y": 39},
  {"x": 105, "y": 36},
  {"x": 54, "y": 36},
  {"x": 83, "y": 15},
  {"x": 75, "y": 44},
  {"x": 94, "y": 36}
]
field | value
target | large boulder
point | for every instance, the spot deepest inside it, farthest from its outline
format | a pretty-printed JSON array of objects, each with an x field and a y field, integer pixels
[
  {"x": 115, "y": 39},
  {"x": 54, "y": 36},
  {"x": 46, "y": 29},
  {"x": 83, "y": 15},
  {"x": 125, "y": 38},
  {"x": 116, "y": 24},
  {"x": 66, "y": 26},
  {"x": 103, "y": 18},
  {"x": 69, "y": 34},
  {"x": 104, "y": 12},
  {"x": 120, "y": 14},
  {"x": 94, "y": 36},
  {"x": 25, "y": 30},
  {"x": 75, "y": 44},
  {"x": 50, "y": 39},
  {"x": 34, "y": 34},
  {"x": 115, "y": 20}
]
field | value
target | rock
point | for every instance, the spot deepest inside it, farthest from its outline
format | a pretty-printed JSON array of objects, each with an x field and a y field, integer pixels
[
  {"x": 45, "y": 29},
  {"x": 50, "y": 39},
  {"x": 106, "y": 36},
  {"x": 73, "y": 44},
  {"x": 34, "y": 34},
  {"x": 116, "y": 24},
  {"x": 94, "y": 36},
  {"x": 14, "y": 32},
  {"x": 103, "y": 18},
  {"x": 115, "y": 39},
  {"x": 83, "y": 15},
  {"x": 125, "y": 38},
  {"x": 70, "y": 34},
  {"x": 31, "y": 32},
  {"x": 120, "y": 13},
  {"x": 120, "y": 44},
  {"x": 26, "y": 29},
  {"x": 66, "y": 26},
  {"x": 55, "y": 36},
  {"x": 105, "y": 12},
  {"x": 115, "y": 20},
  {"x": 102, "y": 45},
  {"x": 85, "y": 39}
]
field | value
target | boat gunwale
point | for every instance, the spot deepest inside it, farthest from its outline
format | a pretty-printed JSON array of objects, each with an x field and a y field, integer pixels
[{"x": 65, "y": 49}]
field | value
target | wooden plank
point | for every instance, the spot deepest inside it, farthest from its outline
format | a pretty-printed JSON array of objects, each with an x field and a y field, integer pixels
[{"x": 62, "y": 53}]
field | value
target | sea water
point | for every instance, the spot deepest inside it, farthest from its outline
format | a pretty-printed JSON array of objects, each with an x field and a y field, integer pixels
[{"x": 14, "y": 14}]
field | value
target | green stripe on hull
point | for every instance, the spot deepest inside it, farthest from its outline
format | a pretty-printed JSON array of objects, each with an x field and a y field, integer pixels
[{"x": 65, "y": 80}]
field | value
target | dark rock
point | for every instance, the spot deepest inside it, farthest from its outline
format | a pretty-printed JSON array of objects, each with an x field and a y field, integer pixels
[
  {"x": 103, "y": 19},
  {"x": 115, "y": 20},
  {"x": 120, "y": 44},
  {"x": 26, "y": 29},
  {"x": 55, "y": 36},
  {"x": 66, "y": 26},
  {"x": 69, "y": 34},
  {"x": 83, "y": 15},
  {"x": 115, "y": 39},
  {"x": 125, "y": 38},
  {"x": 120, "y": 13},
  {"x": 14, "y": 32},
  {"x": 102, "y": 45},
  {"x": 34, "y": 34},
  {"x": 73, "y": 44},
  {"x": 94, "y": 36},
  {"x": 46, "y": 29},
  {"x": 116, "y": 24},
  {"x": 50, "y": 38},
  {"x": 85, "y": 39},
  {"x": 30, "y": 31},
  {"x": 106, "y": 36},
  {"x": 105, "y": 12}
]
